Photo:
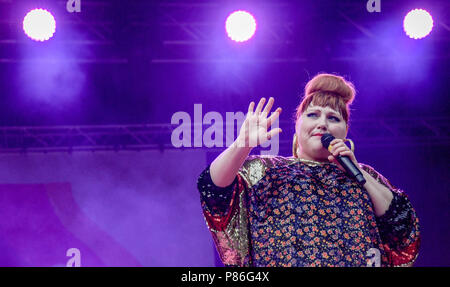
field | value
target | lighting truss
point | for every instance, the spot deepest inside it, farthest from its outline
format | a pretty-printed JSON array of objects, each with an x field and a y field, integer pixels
[{"x": 367, "y": 132}]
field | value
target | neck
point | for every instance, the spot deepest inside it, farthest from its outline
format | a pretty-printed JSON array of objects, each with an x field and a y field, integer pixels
[{"x": 303, "y": 157}]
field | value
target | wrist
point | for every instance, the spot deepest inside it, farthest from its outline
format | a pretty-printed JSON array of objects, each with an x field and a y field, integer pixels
[{"x": 242, "y": 143}]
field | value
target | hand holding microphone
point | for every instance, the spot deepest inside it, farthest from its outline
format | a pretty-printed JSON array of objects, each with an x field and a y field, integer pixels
[{"x": 344, "y": 159}]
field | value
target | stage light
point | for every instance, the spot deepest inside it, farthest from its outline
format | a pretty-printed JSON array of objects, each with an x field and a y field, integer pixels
[
  {"x": 39, "y": 25},
  {"x": 240, "y": 26},
  {"x": 418, "y": 23}
]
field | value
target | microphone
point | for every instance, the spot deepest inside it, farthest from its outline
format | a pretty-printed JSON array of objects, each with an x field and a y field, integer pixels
[{"x": 345, "y": 161}]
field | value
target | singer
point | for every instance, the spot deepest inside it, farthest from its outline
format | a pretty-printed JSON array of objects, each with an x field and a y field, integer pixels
[{"x": 305, "y": 210}]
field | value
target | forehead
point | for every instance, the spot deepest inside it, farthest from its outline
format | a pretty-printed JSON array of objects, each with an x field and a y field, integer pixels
[{"x": 326, "y": 109}]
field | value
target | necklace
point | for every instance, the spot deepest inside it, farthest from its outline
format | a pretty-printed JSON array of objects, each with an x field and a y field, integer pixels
[{"x": 310, "y": 162}]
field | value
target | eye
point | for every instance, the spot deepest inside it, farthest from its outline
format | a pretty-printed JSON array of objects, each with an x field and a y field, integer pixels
[
  {"x": 311, "y": 115},
  {"x": 333, "y": 118}
]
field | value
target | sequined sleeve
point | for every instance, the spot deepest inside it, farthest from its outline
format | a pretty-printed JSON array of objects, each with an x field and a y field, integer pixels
[
  {"x": 225, "y": 209},
  {"x": 399, "y": 226},
  {"x": 215, "y": 200},
  {"x": 225, "y": 213}
]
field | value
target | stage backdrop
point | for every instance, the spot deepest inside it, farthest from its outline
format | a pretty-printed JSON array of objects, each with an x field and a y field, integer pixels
[
  {"x": 103, "y": 209},
  {"x": 142, "y": 208}
]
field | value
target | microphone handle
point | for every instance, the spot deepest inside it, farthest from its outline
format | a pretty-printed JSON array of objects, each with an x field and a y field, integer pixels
[{"x": 351, "y": 169}]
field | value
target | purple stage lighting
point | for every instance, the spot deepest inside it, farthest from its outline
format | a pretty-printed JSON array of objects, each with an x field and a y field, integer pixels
[
  {"x": 39, "y": 25},
  {"x": 418, "y": 23},
  {"x": 240, "y": 26}
]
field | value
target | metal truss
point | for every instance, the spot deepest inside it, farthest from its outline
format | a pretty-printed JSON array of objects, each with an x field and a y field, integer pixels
[
  {"x": 369, "y": 132},
  {"x": 167, "y": 28},
  {"x": 84, "y": 138},
  {"x": 174, "y": 32}
]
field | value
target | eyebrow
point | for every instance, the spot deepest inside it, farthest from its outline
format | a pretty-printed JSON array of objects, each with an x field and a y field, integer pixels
[{"x": 318, "y": 110}]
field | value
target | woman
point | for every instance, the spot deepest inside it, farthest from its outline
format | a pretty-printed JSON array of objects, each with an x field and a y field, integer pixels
[{"x": 305, "y": 210}]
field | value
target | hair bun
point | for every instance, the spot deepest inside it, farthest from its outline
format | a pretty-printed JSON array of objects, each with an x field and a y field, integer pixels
[{"x": 329, "y": 83}]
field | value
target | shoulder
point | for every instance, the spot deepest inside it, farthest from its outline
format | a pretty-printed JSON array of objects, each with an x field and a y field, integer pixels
[
  {"x": 268, "y": 161},
  {"x": 255, "y": 166}
]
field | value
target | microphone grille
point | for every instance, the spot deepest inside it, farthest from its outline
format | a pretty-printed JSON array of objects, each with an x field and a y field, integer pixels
[{"x": 326, "y": 140}]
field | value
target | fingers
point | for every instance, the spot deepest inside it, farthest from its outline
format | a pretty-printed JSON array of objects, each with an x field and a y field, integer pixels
[
  {"x": 268, "y": 107},
  {"x": 273, "y": 117},
  {"x": 339, "y": 150},
  {"x": 347, "y": 153},
  {"x": 250, "y": 108},
  {"x": 338, "y": 147},
  {"x": 335, "y": 144},
  {"x": 336, "y": 141},
  {"x": 259, "y": 108},
  {"x": 260, "y": 105}
]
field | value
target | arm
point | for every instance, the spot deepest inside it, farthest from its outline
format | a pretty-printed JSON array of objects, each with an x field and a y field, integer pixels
[
  {"x": 379, "y": 194},
  {"x": 222, "y": 192},
  {"x": 254, "y": 131},
  {"x": 396, "y": 219},
  {"x": 398, "y": 226},
  {"x": 225, "y": 210},
  {"x": 224, "y": 168}
]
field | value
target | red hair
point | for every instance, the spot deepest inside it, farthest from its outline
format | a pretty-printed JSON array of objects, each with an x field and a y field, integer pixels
[{"x": 327, "y": 90}]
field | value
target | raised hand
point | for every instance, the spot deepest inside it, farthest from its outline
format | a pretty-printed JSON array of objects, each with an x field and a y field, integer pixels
[{"x": 255, "y": 129}]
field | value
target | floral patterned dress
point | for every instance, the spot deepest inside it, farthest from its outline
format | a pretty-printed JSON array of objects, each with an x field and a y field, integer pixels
[{"x": 282, "y": 211}]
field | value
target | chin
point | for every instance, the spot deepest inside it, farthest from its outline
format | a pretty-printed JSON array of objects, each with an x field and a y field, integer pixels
[{"x": 317, "y": 147}]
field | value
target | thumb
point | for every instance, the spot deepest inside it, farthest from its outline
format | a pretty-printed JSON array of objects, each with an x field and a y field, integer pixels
[{"x": 273, "y": 133}]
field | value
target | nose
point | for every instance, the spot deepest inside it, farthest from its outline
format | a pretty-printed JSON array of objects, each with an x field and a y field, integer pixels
[{"x": 322, "y": 124}]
